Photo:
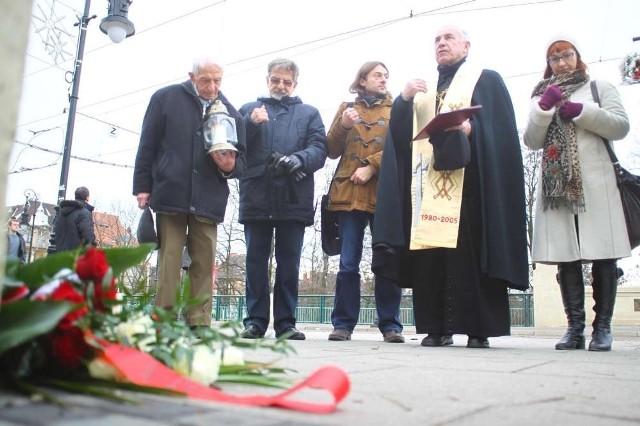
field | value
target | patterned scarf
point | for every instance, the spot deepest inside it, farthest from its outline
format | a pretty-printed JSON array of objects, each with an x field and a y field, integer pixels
[{"x": 561, "y": 177}]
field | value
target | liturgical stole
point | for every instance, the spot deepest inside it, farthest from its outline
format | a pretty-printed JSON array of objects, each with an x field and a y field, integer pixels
[{"x": 436, "y": 196}]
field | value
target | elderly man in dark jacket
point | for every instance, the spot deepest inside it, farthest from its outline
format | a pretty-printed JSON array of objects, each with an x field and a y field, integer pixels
[
  {"x": 181, "y": 173},
  {"x": 74, "y": 225},
  {"x": 286, "y": 144}
]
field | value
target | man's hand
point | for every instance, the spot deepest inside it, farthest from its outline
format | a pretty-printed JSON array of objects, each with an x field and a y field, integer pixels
[
  {"x": 349, "y": 118},
  {"x": 143, "y": 199},
  {"x": 259, "y": 115},
  {"x": 465, "y": 127},
  {"x": 225, "y": 159},
  {"x": 412, "y": 88},
  {"x": 362, "y": 175}
]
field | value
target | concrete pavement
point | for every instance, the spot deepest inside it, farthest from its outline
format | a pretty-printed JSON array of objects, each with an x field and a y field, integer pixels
[{"x": 520, "y": 380}]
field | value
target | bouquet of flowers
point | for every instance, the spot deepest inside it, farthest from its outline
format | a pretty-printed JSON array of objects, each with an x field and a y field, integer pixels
[
  {"x": 630, "y": 68},
  {"x": 63, "y": 324}
]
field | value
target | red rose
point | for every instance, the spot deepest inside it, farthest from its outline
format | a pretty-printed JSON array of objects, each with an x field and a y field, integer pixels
[
  {"x": 68, "y": 347},
  {"x": 67, "y": 292},
  {"x": 92, "y": 266},
  {"x": 14, "y": 293},
  {"x": 100, "y": 294}
]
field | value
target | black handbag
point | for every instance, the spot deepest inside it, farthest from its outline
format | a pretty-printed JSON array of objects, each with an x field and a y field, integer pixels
[
  {"x": 146, "y": 228},
  {"x": 330, "y": 236},
  {"x": 629, "y": 187}
]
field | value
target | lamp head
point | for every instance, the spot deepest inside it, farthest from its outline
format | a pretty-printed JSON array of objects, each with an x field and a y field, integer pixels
[{"x": 116, "y": 25}]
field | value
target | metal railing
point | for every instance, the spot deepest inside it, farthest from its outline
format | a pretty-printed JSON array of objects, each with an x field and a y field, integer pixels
[{"x": 317, "y": 309}]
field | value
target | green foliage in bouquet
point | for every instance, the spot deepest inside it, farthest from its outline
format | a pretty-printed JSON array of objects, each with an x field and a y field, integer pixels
[{"x": 56, "y": 313}]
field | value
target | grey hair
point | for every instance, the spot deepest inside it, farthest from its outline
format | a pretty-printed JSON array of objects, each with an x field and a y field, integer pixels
[
  {"x": 282, "y": 64},
  {"x": 463, "y": 32},
  {"x": 201, "y": 61}
]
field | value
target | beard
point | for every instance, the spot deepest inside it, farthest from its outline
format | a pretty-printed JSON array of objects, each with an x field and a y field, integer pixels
[{"x": 278, "y": 94}]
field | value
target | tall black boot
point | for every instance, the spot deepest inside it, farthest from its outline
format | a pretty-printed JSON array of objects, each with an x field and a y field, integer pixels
[
  {"x": 605, "y": 285},
  {"x": 572, "y": 291}
]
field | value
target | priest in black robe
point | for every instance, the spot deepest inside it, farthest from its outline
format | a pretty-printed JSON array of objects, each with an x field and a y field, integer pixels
[{"x": 461, "y": 290}]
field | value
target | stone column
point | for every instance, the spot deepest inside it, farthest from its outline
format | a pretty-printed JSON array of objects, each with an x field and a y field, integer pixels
[{"x": 14, "y": 34}]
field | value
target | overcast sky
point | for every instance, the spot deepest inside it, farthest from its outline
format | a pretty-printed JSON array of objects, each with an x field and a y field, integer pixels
[{"x": 329, "y": 39}]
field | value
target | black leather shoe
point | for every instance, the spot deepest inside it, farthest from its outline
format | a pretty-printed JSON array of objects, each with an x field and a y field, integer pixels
[
  {"x": 478, "y": 342},
  {"x": 437, "y": 340},
  {"x": 251, "y": 332},
  {"x": 291, "y": 333}
]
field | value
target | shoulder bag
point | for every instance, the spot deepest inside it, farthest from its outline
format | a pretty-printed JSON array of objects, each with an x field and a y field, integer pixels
[
  {"x": 629, "y": 186},
  {"x": 331, "y": 242}
]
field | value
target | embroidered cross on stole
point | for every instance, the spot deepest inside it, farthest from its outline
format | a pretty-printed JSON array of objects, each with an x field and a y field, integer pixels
[{"x": 436, "y": 196}]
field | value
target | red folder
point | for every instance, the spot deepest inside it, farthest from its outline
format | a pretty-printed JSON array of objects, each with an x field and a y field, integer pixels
[{"x": 447, "y": 119}]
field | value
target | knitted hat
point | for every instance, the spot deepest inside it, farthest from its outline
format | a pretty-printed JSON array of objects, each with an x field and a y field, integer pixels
[{"x": 562, "y": 37}]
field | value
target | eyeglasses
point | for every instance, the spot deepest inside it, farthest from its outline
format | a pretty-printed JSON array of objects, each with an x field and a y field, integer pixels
[
  {"x": 276, "y": 81},
  {"x": 566, "y": 57}
]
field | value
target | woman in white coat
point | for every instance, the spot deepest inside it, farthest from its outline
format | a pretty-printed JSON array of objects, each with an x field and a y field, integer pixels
[{"x": 579, "y": 214}]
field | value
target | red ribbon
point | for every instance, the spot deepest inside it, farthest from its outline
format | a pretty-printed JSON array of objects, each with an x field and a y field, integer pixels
[{"x": 142, "y": 369}]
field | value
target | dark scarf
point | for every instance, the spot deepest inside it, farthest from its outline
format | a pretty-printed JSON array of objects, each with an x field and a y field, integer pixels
[
  {"x": 561, "y": 176},
  {"x": 445, "y": 77},
  {"x": 371, "y": 100}
]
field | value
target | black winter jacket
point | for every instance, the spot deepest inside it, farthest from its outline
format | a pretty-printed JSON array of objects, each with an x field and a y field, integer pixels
[
  {"x": 74, "y": 225},
  {"x": 293, "y": 128},
  {"x": 172, "y": 163}
]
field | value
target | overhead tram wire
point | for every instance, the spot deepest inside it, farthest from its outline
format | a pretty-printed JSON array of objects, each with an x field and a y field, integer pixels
[
  {"x": 90, "y": 160},
  {"x": 350, "y": 33},
  {"x": 108, "y": 124}
]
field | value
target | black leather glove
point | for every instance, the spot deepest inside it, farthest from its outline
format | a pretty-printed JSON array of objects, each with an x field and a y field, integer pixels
[
  {"x": 293, "y": 163},
  {"x": 274, "y": 160},
  {"x": 282, "y": 164}
]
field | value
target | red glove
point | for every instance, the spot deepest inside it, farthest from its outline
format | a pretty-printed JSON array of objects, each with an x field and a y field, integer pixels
[
  {"x": 569, "y": 110},
  {"x": 551, "y": 96}
]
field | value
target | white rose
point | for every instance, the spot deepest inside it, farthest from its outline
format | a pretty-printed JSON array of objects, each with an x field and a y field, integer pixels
[
  {"x": 204, "y": 365},
  {"x": 117, "y": 309},
  {"x": 232, "y": 356},
  {"x": 99, "y": 368},
  {"x": 125, "y": 332}
]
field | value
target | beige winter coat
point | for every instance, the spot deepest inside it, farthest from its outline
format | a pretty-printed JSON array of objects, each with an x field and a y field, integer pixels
[{"x": 601, "y": 229}]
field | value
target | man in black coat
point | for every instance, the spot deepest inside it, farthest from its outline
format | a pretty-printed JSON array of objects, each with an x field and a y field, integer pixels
[
  {"x": 192, "y": 142},
  {"x": 459, "y": 288},
  {"x": 286, "y": 144},
  {"x": 74, "y": 224}
]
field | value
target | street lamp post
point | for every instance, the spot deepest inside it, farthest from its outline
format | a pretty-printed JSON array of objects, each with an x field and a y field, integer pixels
[
  {"x": 73, "y": 101},
  {"x": 115, "y": 24}
]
